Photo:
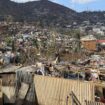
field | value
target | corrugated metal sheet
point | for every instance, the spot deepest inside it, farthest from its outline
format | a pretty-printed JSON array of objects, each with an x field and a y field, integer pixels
[
  {"x": 9, "y": 69},
  {"x": 94, "y": 103},
  {"x": 54, "y": 91}
]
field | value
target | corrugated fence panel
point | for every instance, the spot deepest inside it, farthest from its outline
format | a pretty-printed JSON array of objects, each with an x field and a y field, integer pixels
[{"x": 54, "y": 91}]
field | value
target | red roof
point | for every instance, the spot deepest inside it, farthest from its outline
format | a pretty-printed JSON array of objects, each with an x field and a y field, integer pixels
[{"x": 101, "y": 41}]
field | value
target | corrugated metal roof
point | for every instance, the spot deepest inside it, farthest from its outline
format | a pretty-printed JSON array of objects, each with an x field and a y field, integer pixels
[
  {"x": 13, "y": 69},
  {"x": 101, "y": 41},
  {"x": 9, "y": 69}
]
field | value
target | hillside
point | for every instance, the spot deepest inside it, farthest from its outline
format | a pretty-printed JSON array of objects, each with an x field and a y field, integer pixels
[
  {"x": 44, "y": 12},
  {"x": 94, "y": 17}
]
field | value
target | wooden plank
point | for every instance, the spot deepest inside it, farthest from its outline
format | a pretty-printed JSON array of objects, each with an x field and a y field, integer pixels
[
  {"x": 1, "y": 93},
  {"x": 23, "y": 90},
  {"x": 22, "y": 94}
]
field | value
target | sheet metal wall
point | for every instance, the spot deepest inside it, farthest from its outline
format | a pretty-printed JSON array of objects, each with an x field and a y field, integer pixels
[{"x": 54, "y": 91}]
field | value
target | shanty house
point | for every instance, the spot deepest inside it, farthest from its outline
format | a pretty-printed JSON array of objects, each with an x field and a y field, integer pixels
[{"x": 89, "y": 42}]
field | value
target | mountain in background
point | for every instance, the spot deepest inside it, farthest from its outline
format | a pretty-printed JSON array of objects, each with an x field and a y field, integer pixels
[
  {"x": 94, "y": 17},
  {"x": 46, "y": 13}
]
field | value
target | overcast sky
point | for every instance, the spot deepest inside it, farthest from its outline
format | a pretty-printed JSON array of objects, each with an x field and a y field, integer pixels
[{"x": 78, "y": 5}]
